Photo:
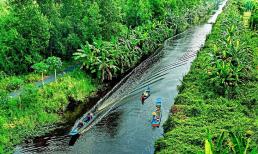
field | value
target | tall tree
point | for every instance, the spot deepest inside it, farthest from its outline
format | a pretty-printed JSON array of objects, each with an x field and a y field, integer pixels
[
  {"x": 51, "y": 9},
  {"x": 158, "y": 8},
  {"x": 92, "y": 22},
  {"x": 72, "y": 13},
  {"x": 30, "y": 36},
  {"x": 41, "y": 67},
  {"x": 54, "y": 64},
  {"x": 137, "y": 12},
  {"x": 111, "y": 17}
]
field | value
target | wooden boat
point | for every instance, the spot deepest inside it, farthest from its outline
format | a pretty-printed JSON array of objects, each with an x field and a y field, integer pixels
[
  {"x": 157, "y": 115},
  {"x": 145, "y": 94},
  {"x": 80, "y": 125},
  {"x": 158, "y": 102}
]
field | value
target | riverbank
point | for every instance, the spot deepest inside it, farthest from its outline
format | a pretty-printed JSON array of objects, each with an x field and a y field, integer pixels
[
  {"x": 217, "y": 97},
  {"x": 26, "y": 115}
]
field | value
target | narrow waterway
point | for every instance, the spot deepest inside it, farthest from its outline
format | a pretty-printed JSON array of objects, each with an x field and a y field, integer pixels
[{"x": 124, "y": 124}]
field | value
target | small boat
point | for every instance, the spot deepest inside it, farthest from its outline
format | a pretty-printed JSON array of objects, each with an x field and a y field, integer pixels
[
  {"x": 157, "y": 115},
  {"x": 158, "y": 102},
  {"x": 81, "y": 124},
  {"x": 145, "y": 94}
]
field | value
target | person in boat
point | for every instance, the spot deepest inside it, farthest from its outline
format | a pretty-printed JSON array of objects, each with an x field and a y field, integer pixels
[
  {"x": 88, "y": 117},
  {"x": 146, "y": 94},
  {"x": 91, "y": 116},
  {"x": 157, "y": 118},
  {"x": 154, "y": 115},
  {"x": 80, "y": 124},
  {"x": 142, "y": 98},
  {"x": 157, "y": 109}
]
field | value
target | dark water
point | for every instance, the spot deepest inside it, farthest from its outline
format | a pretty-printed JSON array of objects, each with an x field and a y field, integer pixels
[{"x": 125, "y": 125}]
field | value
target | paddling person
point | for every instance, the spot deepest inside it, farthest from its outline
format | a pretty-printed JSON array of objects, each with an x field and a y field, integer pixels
[
  {"x": 80, "y": 125},
  {"x": 145, "y": 94},
  {"x": 88, "y": 117},
  {"x": 142, "y": 98},
  {"x": 154, "y": 117}
]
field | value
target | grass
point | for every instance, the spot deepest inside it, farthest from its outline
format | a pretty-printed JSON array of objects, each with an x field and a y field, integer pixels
[
  {"x": 25, "y": 115},
  {"x": 199, "y": 108},
  {"x": 10, "y": 83}
]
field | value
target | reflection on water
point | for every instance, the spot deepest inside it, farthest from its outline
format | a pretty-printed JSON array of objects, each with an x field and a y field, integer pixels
[
  {"x": 127, "y": 128},
  {"x": 110, "y": 124}
]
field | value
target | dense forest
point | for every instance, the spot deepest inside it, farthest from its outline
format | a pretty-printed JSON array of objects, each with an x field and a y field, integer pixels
[{"x": 34, "y": 30}]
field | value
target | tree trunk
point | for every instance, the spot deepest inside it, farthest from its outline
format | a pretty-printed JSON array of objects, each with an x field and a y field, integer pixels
[
  {"x": 42, "y": 75},
  {"x": 55, "y": 74}
]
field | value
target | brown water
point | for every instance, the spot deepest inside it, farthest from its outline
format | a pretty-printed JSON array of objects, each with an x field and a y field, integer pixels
[{"x": 124, "y": 124}]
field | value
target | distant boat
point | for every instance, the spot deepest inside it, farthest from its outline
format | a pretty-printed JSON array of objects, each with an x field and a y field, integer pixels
[
  {"x": 145, "y": 94},
  {"x": 157, "y": 115}
]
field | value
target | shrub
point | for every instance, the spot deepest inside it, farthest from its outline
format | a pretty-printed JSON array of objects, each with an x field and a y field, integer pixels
[{"x": 14, "y": 84}]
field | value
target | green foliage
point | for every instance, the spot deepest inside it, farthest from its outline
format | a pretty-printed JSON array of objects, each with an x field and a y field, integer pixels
[
  {"x": 40, "y": 67},
  {"x": 111, "y": 18},
  {"x": 92, "y": 22},
  {"x": 24, "y": 116},
  {"x": 137, "y": 12},
  {"x": 254, "y": 19},
  {"x": 14, "y": 84},
  {"x": 54, "y": 63},
  {"x": 33, "y": 30},
  {"x": 24, "y": 37},
  {"x": 199, "y": 107},
  {"x": 119, "y": 34},
  {"x": 2, "y": 75},
  {"x": 249, "y": 5},
  {"x": 99, "y": 59},
  {"x": 229, "y": 143},
  {"x": 29, "y": 97},
  {"x": 106, "y": 59},
  {"x": 158, "y": 8},
  {"x": 11, "y": 83},
  {"x": 231, "y": 60}
]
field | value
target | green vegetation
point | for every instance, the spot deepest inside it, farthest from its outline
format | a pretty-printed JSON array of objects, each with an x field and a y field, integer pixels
[
  {"x": 109, "y": 37},
  {"x": 54, "y": 64},
  {"x": 229, "y": 143},
  {"x": 148, "y": 24},
  {"x": 25, "y": 115},
  {"x": 50, "y": 64},
  {"x": 41, "y": 67},
  {"x": 34, "y": 30},
  {"x": 219, "y": 94}
]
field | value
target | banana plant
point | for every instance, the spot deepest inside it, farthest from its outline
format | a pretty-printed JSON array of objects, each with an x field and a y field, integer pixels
[
  {"x": 228, "y": 143},
  {"x": 249, "y": 5}
]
